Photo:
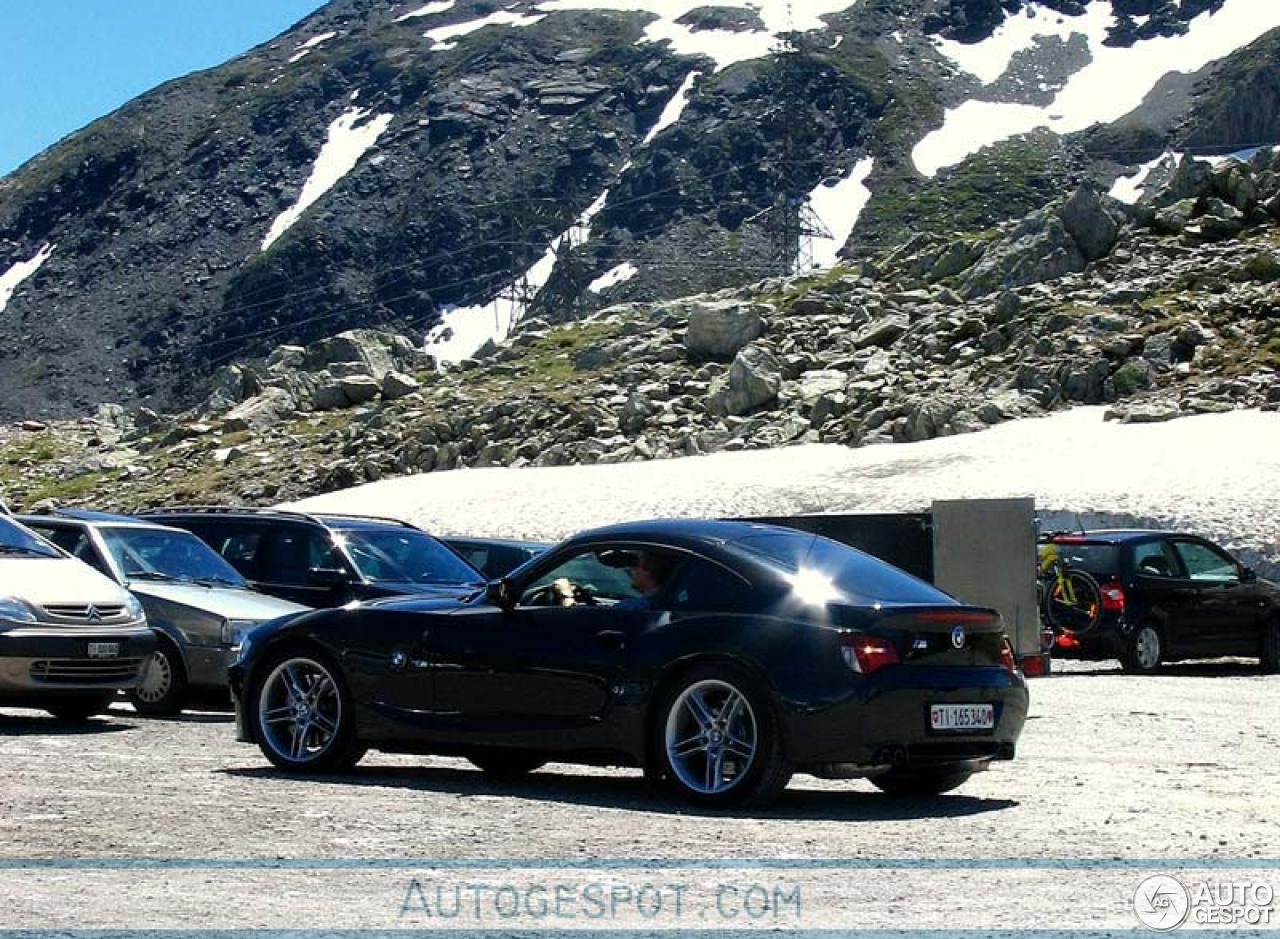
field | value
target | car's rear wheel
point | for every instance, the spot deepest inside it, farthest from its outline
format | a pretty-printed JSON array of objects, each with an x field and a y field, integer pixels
[
  {"x": 80, "y": 707},
  {"x": 302, "y": 713},
  {"x": 920, "y": 782},
  {"x": 507, "y": 764},
  {"x": 718, "y": 740},
  {"x": 1271, "y": 646},
  {"x": 1144, "y": 651},
  {"x": 164, "y": 683}
]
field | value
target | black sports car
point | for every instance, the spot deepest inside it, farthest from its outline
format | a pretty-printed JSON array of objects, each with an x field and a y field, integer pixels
[{"x": 764, "y": 651}]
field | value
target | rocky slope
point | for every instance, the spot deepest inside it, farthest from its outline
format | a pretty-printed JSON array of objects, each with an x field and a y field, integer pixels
[
  {"x": 151, "y": 222},
  {"x": 1162, "y": 309}
]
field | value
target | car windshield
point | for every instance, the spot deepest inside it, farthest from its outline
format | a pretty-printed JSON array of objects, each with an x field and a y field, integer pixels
[
  {"x": 406, "y": 556},
  {"x": 16, "y": 540},
  {"x": 161, "y": 554},
  {"x": 826, "y": 570}
]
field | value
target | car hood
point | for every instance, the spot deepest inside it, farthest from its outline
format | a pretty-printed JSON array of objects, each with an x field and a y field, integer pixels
[
  {"x": 227, "y": 602},
  {"x": 57, "y": 580},
  {"x": 452, "y": 592}
]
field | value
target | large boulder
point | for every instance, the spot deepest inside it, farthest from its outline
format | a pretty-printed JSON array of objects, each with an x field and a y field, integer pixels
[
  {"x": 753, "y": 381},
  {"x": 719, "y": 329}
]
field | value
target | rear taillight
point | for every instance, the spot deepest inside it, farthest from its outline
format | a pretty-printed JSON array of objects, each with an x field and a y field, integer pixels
[
  {"x": 1113, "y": 597},
  {"x": 867, "y": 654},
  {"x": 1067, "y": 641},
  {"x": 1006, "y": 656}
]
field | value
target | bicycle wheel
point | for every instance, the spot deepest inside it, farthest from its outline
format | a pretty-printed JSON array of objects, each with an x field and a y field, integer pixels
[{"x": 1073, "y": 603}]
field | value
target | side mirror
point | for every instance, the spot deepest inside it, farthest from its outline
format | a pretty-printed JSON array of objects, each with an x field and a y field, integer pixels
[
  {"x": 328, "y": 576},
  {"x": 498, "y": 593},
  {"x": 1248, "y": 575}
]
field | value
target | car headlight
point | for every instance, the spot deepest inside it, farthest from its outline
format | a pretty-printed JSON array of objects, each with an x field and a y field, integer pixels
[
  {"x": 16, "y": 611},
  {"x": 133, "y": 606},
  {"x": 234, "y": 631}
]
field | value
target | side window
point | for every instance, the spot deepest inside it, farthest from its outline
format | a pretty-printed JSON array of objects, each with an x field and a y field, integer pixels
[
  {"x": 1152, "y": 560},
  {"x": 286, "y": 555},
  {"x": 238, "y": 548},
  {"x": 1205, "y": 563},
  {"x": 602, "y": 581},
  {"x": 701, "y": 585}
]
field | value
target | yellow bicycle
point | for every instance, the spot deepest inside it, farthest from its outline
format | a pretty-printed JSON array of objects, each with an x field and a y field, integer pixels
[{"x": 1069, "y": 597}]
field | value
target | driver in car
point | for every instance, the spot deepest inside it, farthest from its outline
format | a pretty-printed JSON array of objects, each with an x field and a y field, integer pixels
[{"x": 649, "y": 572}]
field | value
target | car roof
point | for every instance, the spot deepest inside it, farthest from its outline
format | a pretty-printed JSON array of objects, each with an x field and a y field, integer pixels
[
  {"x": 86, "y": 519},
  {"x": 688, "y": 531},
  {"x": 333, "y": 520},
  {"x": 1114, "y": 535}
]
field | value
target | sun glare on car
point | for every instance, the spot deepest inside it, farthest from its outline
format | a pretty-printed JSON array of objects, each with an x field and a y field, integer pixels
[{"x": 813, "y": 588}]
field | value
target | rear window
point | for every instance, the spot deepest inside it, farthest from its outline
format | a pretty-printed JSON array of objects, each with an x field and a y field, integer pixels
[
  {"x": 1095, "y": 557},
  {"x": 860, "y": 577}
]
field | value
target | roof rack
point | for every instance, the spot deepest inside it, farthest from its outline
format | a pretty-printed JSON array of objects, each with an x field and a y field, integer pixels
[{"x": 317, "y": 517}]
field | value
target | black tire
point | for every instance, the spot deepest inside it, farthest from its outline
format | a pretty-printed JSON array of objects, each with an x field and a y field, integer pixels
[
  {"x": 1144, "y": 650},
  {"x": 76, "y": 710},
  {"x": 1270, "y": 657},
  {"x": 1078, "y": 617},
  {"x": 921, "y": 782},
  {"x": 302, "y": 713},
  {"x": 507, "y": 764},
  {"x": 717, "y": 739},
  {"x": 164, "y": 686}
]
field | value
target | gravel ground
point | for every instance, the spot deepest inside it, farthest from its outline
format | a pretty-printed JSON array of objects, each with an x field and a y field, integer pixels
[{"x": 1117, "y": 777}]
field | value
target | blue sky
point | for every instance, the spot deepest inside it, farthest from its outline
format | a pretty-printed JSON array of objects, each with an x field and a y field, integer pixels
[{"x": 65, "y": 63}]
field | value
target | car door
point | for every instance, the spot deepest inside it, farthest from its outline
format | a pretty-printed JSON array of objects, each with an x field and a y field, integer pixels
[
  {"x": 1161, "y": 587},
  {"x": 544, "y": 665},
  {"x": 1222, "y": 618}
]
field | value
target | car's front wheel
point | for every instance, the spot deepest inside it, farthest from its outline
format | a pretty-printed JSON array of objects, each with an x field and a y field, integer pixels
[
  {"x": 1144, "y": 651},
  {"x": 79, "y": 708},
  {"x": 718, "y": 740},
  {"x": 920, "y": 782},
  {"x": 302, "y": 713},
  {"x": 164, "y": 683}
]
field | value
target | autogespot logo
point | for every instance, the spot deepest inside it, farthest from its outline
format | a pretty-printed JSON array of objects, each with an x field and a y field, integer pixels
[{"x": 1161, "y": 902}]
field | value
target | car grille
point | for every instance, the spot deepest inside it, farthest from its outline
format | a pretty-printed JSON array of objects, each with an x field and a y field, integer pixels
[
  {"x": 86, "y": 612},
  {"x": 85, "y": 671}
]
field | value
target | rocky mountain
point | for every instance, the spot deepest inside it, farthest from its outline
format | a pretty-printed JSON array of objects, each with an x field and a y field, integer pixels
[
  {"x": 1161, "y": 309},
  {"x": 383, "y": 163}
]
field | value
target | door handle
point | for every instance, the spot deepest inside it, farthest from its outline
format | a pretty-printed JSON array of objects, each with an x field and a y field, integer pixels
[{"x": 613, "y": 638}]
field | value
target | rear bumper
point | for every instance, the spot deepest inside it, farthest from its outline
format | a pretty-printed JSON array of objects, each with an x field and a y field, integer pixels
[
  {"x": 886, "y": 723},
  {"x": 44, "y": 660}
]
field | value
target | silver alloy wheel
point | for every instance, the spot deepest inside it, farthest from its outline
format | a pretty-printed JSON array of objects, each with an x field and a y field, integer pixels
[
  {"x": 157, "y": 678},
  {"x": 711, "y": 736},
  {"x": 1146, "y": 648},
  {"x": 299, "y": 710}
]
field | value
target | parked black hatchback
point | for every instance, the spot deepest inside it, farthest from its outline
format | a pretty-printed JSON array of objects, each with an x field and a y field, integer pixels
[
  {"x": 326, "y": 560},
  {"x": 1169, "y": 596}
]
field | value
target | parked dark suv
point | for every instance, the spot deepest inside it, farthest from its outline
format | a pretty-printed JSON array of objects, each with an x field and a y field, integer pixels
[
  {"x": 326, "y": 560},
  {"x": 1169, "y": 596},
  {"x": 494, "y": 557}
]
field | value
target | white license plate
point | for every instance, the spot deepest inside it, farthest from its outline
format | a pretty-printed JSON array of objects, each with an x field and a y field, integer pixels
[
  {"x": 962, "y": 716},
  {"x": 104, "y": 650}
]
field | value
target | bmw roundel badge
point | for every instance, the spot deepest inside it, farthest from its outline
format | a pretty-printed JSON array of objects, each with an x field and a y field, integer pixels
[{"x": 957, "y": 636}]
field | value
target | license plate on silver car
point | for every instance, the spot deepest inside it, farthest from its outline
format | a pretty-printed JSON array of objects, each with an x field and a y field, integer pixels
[
  {"x": 962, "y": 716},
  {"x": 104, "y": 650}
]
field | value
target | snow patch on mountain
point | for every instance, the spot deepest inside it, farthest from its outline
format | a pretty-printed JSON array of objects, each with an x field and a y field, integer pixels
[
  {"x": 19, "y": 272},
  {"x": 1113, "y": 84},
  {"x": 347, "y": 141}
]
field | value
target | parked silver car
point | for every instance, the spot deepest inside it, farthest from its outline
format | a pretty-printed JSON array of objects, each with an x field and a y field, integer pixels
[
  {"x": 70, "y": 638},
  {"x": 198, "y": 604}
]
